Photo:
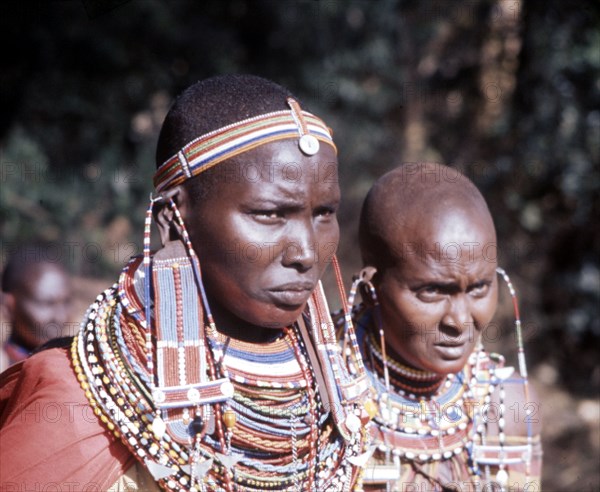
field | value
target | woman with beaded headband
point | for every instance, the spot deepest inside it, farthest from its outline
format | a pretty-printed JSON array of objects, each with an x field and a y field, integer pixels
[
  {"x": 449, "y": 415},
  {"x": 213, "y": 363}
]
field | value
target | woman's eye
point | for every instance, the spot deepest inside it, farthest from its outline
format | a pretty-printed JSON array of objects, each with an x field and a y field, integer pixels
[
  {"x": 325, "y": 212},
  {"x": 430, "y": 293},
  {"x": 267, "y": 215},
  {"x": 479, "y": 290}
]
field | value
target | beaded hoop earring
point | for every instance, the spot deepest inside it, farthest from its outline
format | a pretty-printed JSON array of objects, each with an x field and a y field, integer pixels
[
  {"x": 503, "y": 476},
  {"x": 363, "y": 279},
  {"x": 396, "y": 436}
]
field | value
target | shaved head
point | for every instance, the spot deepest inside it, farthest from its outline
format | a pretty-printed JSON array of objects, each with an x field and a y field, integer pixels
[
  {"x": 416, "y": 206},
  {"x": 428, "y": 232}
]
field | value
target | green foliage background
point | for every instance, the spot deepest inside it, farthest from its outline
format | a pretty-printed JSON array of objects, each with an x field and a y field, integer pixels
[{"x": 508, "y": 92}]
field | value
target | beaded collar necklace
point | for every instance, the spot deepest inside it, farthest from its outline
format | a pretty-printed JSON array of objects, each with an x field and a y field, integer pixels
[
  {"x": 425, "y": 419},
  {"x": 403, "y": 379},
  {"x": 412, "y": 403},
  {"x": 273, "y": 433}
]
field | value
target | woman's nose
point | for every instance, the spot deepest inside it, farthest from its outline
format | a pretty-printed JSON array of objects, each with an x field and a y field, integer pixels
[
  {"x": 458, "y": 315},
  {"x": 299, "y": 248}
]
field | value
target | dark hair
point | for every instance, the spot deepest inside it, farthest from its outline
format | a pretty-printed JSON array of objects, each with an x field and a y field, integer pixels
[
  {"x": 27, "y": 260},
  {"x": 214, "y": 103},
  {"x": 209, "y": 105}
]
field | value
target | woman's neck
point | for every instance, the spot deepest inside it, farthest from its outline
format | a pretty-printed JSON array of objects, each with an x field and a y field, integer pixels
[
  {"x": 404, "y": 378},
  {"x": 230, "y": 325}
]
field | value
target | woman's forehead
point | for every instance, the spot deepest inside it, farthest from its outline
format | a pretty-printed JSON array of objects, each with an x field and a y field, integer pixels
[{"x": 442, "y": 236}]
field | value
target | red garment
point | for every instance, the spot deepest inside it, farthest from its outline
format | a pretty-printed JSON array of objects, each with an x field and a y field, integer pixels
[
  {"x": 50, "y": 439},
  {"x": 13, "y": 353}
]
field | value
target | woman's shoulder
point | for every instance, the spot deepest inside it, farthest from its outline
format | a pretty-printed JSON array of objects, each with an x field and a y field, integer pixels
[
  {"x": 50, "y": 430},
  {"x": 44, "y": 377},
  {"x": 51, "y": 365},
  {"x": 50, "y": 359}
]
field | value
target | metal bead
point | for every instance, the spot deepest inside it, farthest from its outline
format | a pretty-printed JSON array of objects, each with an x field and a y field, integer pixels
[
  {"x": 229, "y": 419},
  {"x": 371, "y": 408},
  {"x": 309, "y": 144}
]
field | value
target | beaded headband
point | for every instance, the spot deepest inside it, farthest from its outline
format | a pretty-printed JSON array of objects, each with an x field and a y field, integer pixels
[{"x": 219, "y": 145}]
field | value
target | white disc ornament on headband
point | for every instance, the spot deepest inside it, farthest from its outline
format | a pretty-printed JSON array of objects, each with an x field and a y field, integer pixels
[{"x": 309, "y": 144}]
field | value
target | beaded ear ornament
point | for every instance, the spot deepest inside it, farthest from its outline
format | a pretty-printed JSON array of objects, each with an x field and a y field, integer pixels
[
  {"x": 143, "y": 360},
  {"x": 503, "y": 455},
  {"x": 185, "y": 379}
]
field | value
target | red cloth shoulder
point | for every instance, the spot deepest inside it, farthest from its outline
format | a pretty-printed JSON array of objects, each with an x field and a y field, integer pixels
[{"x": 50, "y": 439}]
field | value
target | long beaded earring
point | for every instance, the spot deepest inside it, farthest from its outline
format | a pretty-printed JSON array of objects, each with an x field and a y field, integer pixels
[
  {"x": 502, "y": 476},
  {"x": 196, "y": 468},
  {"x": 158, "y": 425},
  {"x": 349, "y": 333},
  {"x": 364, "y": 278},
  {"x": 224, "y": 417},
  {"x": 518, "y": 332}
]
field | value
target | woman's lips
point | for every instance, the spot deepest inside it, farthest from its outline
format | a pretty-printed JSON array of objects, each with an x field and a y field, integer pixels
[
  {"x": 450, "y": 351},
  {"x": 292, "y": 294}
]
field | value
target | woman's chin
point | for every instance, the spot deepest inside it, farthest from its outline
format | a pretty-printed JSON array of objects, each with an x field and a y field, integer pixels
[
  {"x": 284, "y": 318},
  {"x": 275, "y": 317},
  {"x": 447, "y": 367}
]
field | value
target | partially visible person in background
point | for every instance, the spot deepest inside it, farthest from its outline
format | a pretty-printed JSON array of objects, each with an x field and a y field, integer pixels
[{"x": 36, "y": 298}]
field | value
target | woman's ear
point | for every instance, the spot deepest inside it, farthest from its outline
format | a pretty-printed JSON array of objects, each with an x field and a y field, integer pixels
[
  {"x": 169, "y": 228},
  {"x": 7, "y": 301},
  {"x": 367, "y": 286}
]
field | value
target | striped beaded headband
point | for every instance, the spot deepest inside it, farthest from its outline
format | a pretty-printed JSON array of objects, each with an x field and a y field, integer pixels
[{"x": 219, "y": 145}]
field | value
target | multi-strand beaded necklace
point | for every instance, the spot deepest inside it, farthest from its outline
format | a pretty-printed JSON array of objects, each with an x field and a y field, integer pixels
[
  {"x": 432, "y": 423},
  {"x": 259, "y": 420},
  {"x": 423, "y": 416},
  {"x": 438, "y": 425}
]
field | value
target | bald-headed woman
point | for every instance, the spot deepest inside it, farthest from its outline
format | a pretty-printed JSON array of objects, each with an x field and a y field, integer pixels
[{"x": 450, "y": 416}]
